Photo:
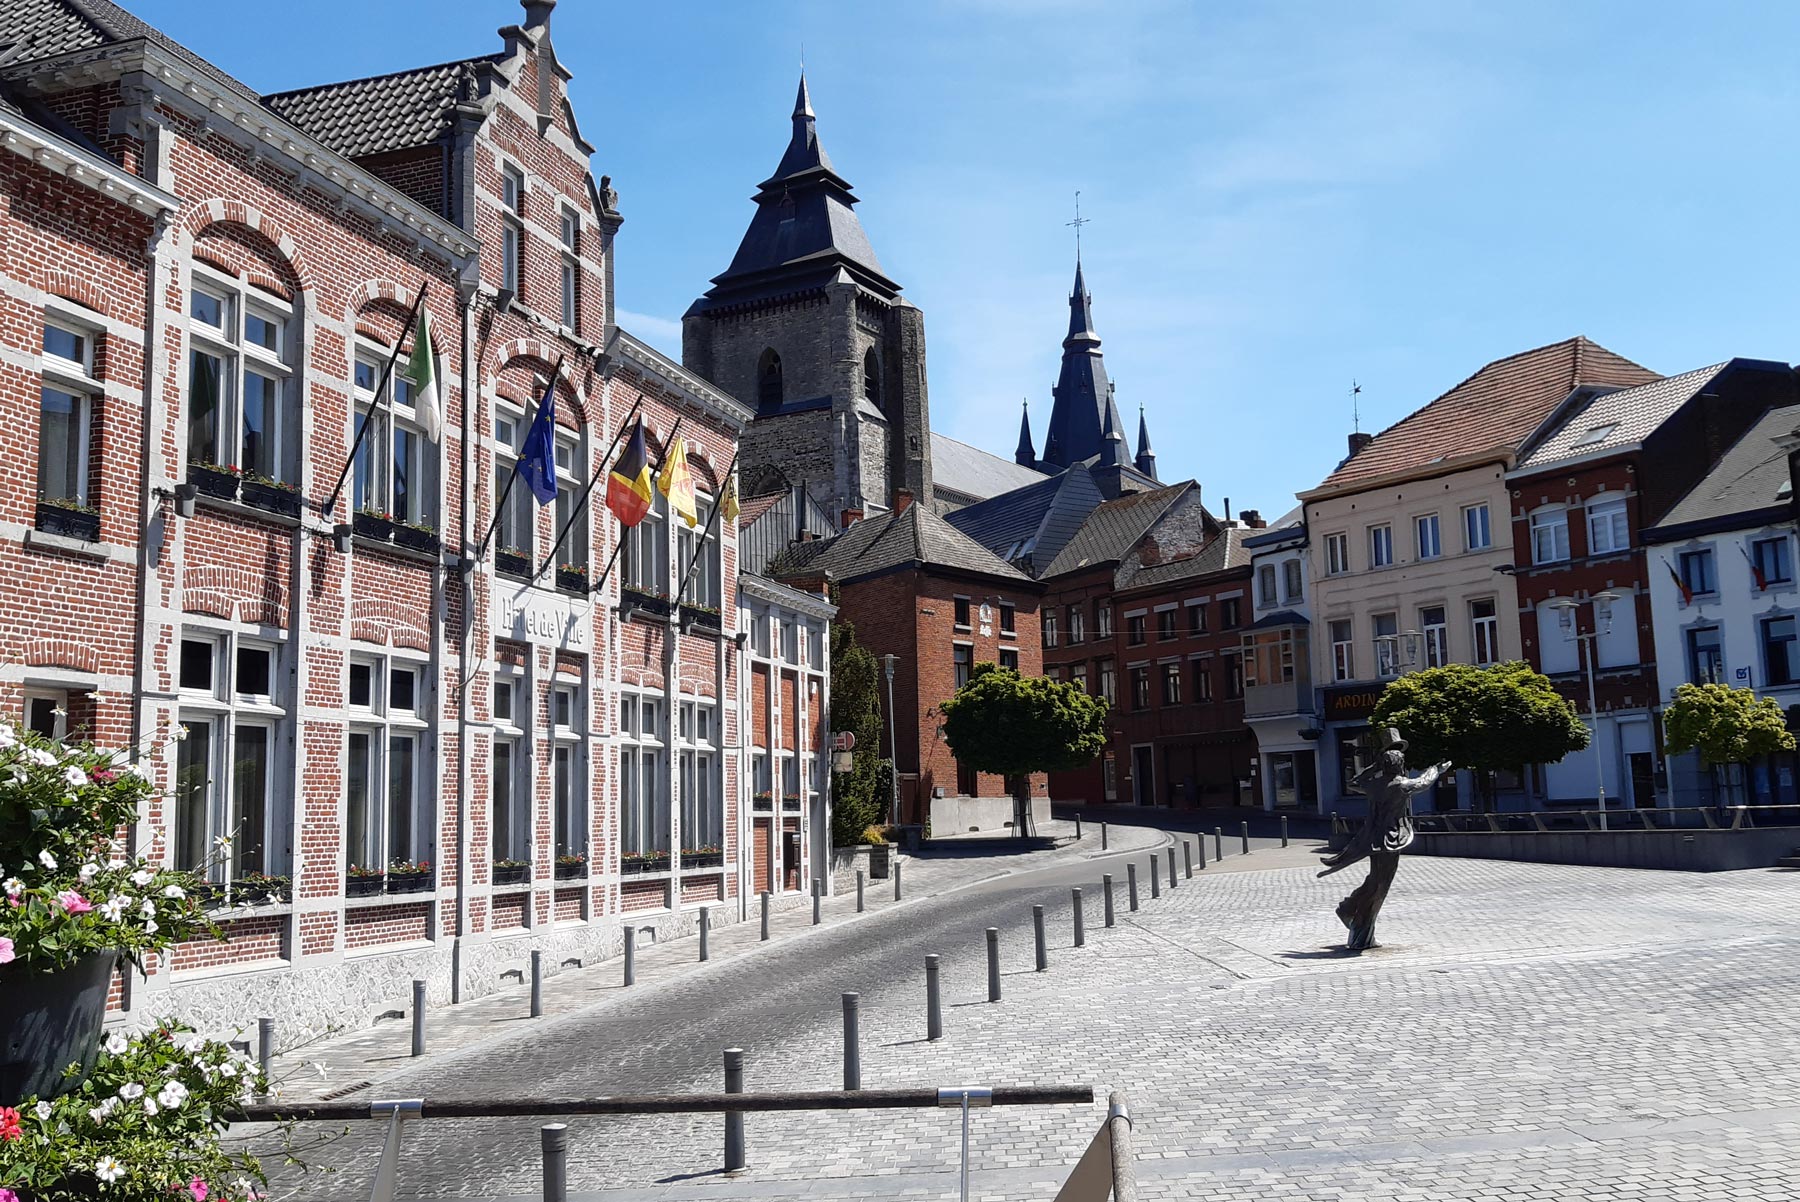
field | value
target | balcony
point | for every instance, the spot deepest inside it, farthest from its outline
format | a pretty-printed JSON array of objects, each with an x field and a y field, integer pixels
[{"x": 1278, "y": 700}]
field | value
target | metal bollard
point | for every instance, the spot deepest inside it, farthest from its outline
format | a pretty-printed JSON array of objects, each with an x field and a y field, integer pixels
[
  {"x": 1200, "y": 850},
  {"x": 1106, "y": 888},
  {"x": 1078, "y": 828},
  {"x": 418, "y": 1017},
  {"x": 705, "y": 932},
  {"x": 1244, "y": 829},
  {"x": 894, "y": 869},
  {"x": 1131, "y": 886},
  {"x": 1284, "y": 833},
  {"x": 1103, "y": 836},
  {"x": 1043, "y": 948},
  {"x": 734, "y": 1119},
  {"x": 934, "y": 1005},
  {"x": 993, "y": 942},
  {"x": 1155, "y": 880},
  {"x": 852, "y": 1041},
  {"x": 1172, "y": 880},
  {"x": 859, "y": 891},
  {"x": 1075, "y": 901},
  {"x": 537, "y": 983},
  {"x": 265, "y": 1046},
  {"x": 818, "y": 901},
  {"x": 631, "y": 955},
  {"x": 765, "y": 915},
  {"x": 1218, "y": 843},
  {"x": 1187, "y": 858},
  {"x": 555, "y": 1140}
]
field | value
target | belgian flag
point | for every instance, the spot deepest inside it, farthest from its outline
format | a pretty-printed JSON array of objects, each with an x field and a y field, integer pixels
[{"x": 629, "y": 490}]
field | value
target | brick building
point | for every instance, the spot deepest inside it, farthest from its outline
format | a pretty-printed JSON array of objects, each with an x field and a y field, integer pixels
[{"x": 444, "y": 747}]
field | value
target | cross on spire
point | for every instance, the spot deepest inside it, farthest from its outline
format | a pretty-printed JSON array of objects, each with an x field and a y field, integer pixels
[{"x": 1078, "y": 223}]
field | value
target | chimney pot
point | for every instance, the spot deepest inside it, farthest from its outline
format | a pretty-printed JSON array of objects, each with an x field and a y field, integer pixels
[
  {"x": 1252, "y": 518},
  {"x": 1359, "y": 440},
  {"x": 537, "y": 13}
]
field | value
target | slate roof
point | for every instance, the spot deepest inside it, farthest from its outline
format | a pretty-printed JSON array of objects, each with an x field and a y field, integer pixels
[
  {"x": 1223, "y": 553},
  {"x": 54, "y": 27},
  {"x": 1612, "y": 420},
  {"x": 1750, "y": 477},
  {"x": 1496, "y": 409},
  {"x": 911, "y": 538},
  {"x": 972, "y": 472},
  {"x": 1113, "y": 529},
  {"x": 1029, "y": 526},
  {"x": 360, "y": 117}
]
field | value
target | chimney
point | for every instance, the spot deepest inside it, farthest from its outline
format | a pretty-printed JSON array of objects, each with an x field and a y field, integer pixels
[
  {"x": 849, "y": 516},
  {"x": 537, "y": 13},
  {"x": 1253, "y": 519},
  {"x": 1358, "y": 441},
  {"x": 902, "y": 499}
]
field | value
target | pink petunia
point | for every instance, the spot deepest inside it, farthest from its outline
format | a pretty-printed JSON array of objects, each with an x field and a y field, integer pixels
[
  {"x": 7, "y": 1195},
  {"x": 7, "y": 956},
  {"x": 73, "y": 902},
  {"x": 196, "y": 1187}
]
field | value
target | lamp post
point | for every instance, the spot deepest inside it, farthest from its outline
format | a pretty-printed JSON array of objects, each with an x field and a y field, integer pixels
[
  {"x": 1603, "y": 614},
  {"x": 888, "y": 663}
]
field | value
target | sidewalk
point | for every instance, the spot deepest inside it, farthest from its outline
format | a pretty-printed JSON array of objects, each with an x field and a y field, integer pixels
[{"x": 352, "y": 1066}]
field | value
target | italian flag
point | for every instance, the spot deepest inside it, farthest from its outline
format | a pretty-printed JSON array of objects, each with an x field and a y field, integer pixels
[{"x": 422, "y": 371}]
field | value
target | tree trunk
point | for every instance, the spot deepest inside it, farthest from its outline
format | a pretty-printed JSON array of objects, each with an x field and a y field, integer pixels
[{"x": 1021, "y": 794}]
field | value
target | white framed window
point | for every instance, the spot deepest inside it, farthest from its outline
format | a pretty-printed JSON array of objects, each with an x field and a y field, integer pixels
[
  {"x": 395, "y": 471},
  {"x": 47, "y": 712},
  {"x": 514, "y": 533},
  {"x": 1381, "y": 546},
  {"x": 1077, "y": 630},
  {"x": 512, "y": 227},
  {"x": 643, "y": 777},
  {"x": 646, "y": 553},
  {"x": 1103, "y": 620},
  {"x": 509, "y": 781},
  {"x": 1386, "y": 630},
  {"x": 66, "y": 413},
  {"x": 1772, "y": 561},
  {"x": 1265, "y": 587},
  {"x": 568, "y": 783},
  {"x": 387, "y": 818},
  {"x": 1427, "y": 536},
  {"x": 1477, "y": 535},
  {"x": 1608, "y": 527},
  {"x": 702, "y": 540},
  {"x": 1293, "y": 581},
  {"x": 1550, "y": 536},
  {"x": 227, "y": 764},
  {"x": 241, "y": 408},
  {"x": 1437, "y": 636},
  {"x": 571, "y": 269},
  {"x": 1337, "y": 554},
  {"x": 702, "y": 787},
  {"x": 1343, "y": 650},
  {"x": 1050, "y": 634},
  {"x": 1484, "y": 621},
  {"x": 571, "y": 478}
]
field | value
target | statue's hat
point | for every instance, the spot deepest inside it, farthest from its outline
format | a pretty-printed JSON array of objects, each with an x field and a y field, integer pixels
[{"x": 1392, "y": 739}]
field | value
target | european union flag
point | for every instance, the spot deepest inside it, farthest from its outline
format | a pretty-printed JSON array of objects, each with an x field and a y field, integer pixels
[{"x": 537, "y": 455}]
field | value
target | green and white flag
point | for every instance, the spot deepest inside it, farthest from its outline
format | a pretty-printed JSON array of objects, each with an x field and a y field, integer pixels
[{"x": 422, "y": 370}]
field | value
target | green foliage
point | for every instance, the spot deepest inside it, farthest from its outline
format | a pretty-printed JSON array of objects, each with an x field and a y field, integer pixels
[
  {"x": 1725, "y": 725},
  {"x": 861, "y": 796},
  {"x": 1499, "y": 717},
  {"x": 1013, "y": 725}
]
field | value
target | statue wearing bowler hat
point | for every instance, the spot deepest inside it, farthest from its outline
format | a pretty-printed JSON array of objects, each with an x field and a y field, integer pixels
[{"x": 1388, "y": 829}]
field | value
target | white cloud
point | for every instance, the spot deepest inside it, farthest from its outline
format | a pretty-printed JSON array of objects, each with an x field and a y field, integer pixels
[{"x": 663, "y": 333}]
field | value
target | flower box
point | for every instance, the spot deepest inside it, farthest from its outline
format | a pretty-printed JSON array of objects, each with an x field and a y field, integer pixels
[
  {"x": 373, "y": 525},
  {"x": 214, "y": 481},
  {"x": 703, "y": 618},
  {"x": 791, "y": 801},
  {"x": 764, "y": 800},
  {"x": 632, "y": 863},
  {"x": 571, "y": 580},
  {"x": 712, "y": 858},
  {"x": 256, "y": 890},
  {"x": 512, "y": 563},
  {"x": 83, "y": 524},
  {"x": 272, "y": 496},
  {"x": 363, "y": 885},
  {"x": 571, "y": 870},
  {"x": 511, "y": 874},
  {"x": 416, "y": 538},
  {"x": 644, "y": 602},
  {"x": 408, "y": 882}
]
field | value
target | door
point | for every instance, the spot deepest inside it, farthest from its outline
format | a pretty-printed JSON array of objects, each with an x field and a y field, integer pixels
[
  {"x": 1643, "y": 779},
  {"x": 966, "y": 784},
  {"x": 1143, "y": 772}
]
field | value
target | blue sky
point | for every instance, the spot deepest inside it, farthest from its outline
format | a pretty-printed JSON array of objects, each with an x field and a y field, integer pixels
[{"x": 1283, "y": 196}]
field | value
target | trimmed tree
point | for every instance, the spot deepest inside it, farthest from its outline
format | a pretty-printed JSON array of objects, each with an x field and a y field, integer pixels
[
  {"x": 1486, "y": 719},
  {"x": 1013, "y": 725},
  {"x": 860, "y": 796},
  {"x": 1726, "y": 726}
]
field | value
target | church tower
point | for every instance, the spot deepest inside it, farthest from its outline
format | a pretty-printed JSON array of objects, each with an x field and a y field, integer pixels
[
  {"x": 1083, "y": 417},
  {"x": 806, "y": 328}
]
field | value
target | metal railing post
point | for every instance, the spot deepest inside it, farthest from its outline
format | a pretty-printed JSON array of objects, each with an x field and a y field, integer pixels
[
  {"x": 993, "y": 949},
  {"x": 265, "y": 1046},
  {"x": 1106, "y": 888},
  {"x": 934, "y": 1005},
  {"x": 1118, "y": 1124},
  {"x": 1131, "y": 897},
  {"x": 554, "y": 1137},
  {"x": 765, "y": 915},
  {"x": 859, "y": 891},
  {"x": 705, "y": 932},
  {"x": 537, "y": 983},
  {"x": 631, "y": 955},
  {"x": 418, "y": 1018},
  {"x": 852, "y": 1041},
  {"x": 734, "y": 1119},
  {"x": 1075, "y": 910},
  {"x": 1187, "y": 858},
  {"x": 1043, "y": 947}
]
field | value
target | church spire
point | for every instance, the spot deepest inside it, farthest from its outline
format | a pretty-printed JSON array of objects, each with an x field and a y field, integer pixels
[
  {"x": 1112, "y": 439},
  {"x": 1081, "y": 313},
  {"x": 1025, "y": 456},
  {"x": 1083, "y": 393},
  {"x": 1146, "y": 458}
]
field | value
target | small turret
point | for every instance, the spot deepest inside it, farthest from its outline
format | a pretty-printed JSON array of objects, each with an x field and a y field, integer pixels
[
  {"x": 1146, "y": 458},
  {"x": 1025, "y": 455}
]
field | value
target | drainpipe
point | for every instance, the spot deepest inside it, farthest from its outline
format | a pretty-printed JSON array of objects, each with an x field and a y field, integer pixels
[{"x": 471, "y": 393}]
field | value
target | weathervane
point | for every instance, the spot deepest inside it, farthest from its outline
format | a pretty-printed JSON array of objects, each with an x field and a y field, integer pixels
[
  {"x": 1355, "y": 407},
  {"x": 1078, "y": 223}
]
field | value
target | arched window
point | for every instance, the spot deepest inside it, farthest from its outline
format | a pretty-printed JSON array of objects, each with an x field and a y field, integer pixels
[
  {"x": 872, "y": 378},
  {"x": 768, "y": 380}
]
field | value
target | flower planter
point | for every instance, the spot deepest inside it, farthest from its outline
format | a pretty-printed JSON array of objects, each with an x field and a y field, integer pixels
[
  {"x": 509, "y": 564},
  {"x": 630, "y": 865},
  {"x": 702, "y": 859},
  {"x": 511, "y": 874},
  {"x": 49, "y": 1021},
  {"x": 645, "y": 603},
  {"x": 699, "y": 618},
  {"x": 274, "y": 498},
  {"x": 408, "y": 882},
  {"x": 363, "y": 886},
  {"x": 571, "y": 872},
  {"x": 571, "y": 582},
  {"x": 373, "y": 525},
  {"x": 72, "y": 523},
  {"x": 415, "y": 539},
  {"x": 259, "y": 891},
  {"x": 214, "y": 482}
]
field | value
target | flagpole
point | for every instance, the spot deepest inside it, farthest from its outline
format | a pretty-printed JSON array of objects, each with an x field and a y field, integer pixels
[
  {"x": 386, "y": 372},
  {"x": 718, "y": 507},
  {"x": 589, "y": 490},
  {"x": 505, "y": 493},
  {"x": 620, "y": 545}
]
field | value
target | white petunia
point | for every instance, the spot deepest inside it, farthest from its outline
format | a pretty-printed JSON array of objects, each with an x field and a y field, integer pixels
[
  {"x": 43, "y": 1111},
  {"x": 150, "y": 927},
  {"x": 40, "y": 757},
  {"x": 47, "y": 860},
  {"x": 142, "y": 877},
  {"x": 174, "y": 892},
  {"x": 108, "y": 1169},
  {"x": 227, "y": 1069},
  {"x": 150, "y": 1106},
  {"x": 89, "y": 871},
  {"x": 75, "y": 776},
  {"x": 7, "y": 738},
  {"x": 99, "y": 1113},
  {"x": 113, "y": 908},
  {"x": 173, "y": 1095},
  {"x": 13, "y": 886},
  {"x": 131, "y": 1091},
  {"x": 148, "y": 909},
  {"x": 191, "y": 1043},
  {"x": 116, "y": 1043}
]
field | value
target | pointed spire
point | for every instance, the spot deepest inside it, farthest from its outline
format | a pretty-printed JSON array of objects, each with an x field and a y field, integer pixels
[
  {"x": 803, "y": 102},
  {"x": 804, "y": 153},
  {"x": 1025, "y": 456},
  {"x": 1112, "y": 441},
  {"x": 1081, "y": 313},
  {"x": 1077, "y": 429},
  {"x": 1146, "y": 458}
]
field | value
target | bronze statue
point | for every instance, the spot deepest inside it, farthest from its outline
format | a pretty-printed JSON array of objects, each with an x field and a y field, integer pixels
[{"x": 1387, "y": 830}]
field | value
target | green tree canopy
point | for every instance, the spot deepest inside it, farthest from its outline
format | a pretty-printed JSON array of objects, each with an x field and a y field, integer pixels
[
  {"x": 860, "y": 797},
  {"x": 1013, "y": 725},
  {"x": 1725, "y": 725},
  {"x": 1498, "y": 717}
]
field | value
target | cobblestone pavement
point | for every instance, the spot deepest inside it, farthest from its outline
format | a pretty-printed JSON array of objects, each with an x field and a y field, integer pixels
[{"x": 1528, "y": 1032}]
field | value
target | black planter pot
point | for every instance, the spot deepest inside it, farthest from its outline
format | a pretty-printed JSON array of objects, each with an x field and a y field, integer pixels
[
  {"x": 54, "y": 519},
  {"x": 634, "y": 865},
  {"x": 648, "y": 603},
  {"x": 571, "y": 582},
  {"x": 372, "y": 525},
  {"x": 212, "y": 482},
  {"x": 694, "y": 618},
  {"x": 571, "y": 872},
  {"x": 508, "y": 564},
  {"x": 511, "y": 875},
  {"x": 702, "y": 859},
  {"x": 362, "y": 886},
  {"x": 415, "y": 539},
  {"x": 49, "y": 1021},
  {"x": 271, "y": 497},
  {"x": 408, "y": 882}
]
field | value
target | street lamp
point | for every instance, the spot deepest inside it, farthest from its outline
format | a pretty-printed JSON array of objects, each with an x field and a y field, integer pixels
[
  {"x": 1603, "y": 616},
  {"x": 888, "y": 663}
]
